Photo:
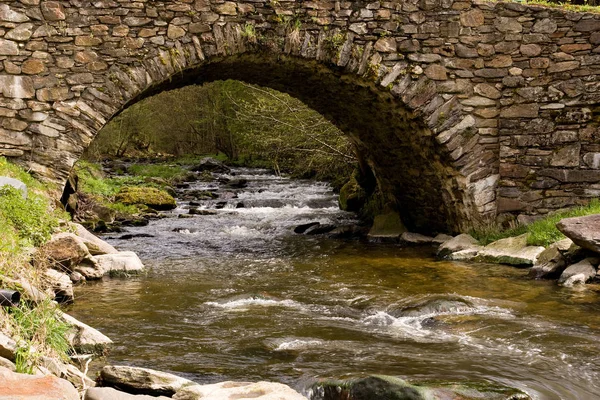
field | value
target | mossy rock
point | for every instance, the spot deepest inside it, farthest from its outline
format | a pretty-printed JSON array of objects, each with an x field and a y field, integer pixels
[
  {"x": 352, "y": 196},
  {"x": 148, "y": 196},
  {"x": 381, "y": 387}
]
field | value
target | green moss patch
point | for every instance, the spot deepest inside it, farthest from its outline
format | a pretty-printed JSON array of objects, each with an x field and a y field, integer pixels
[{"x": 154, "y": 198}]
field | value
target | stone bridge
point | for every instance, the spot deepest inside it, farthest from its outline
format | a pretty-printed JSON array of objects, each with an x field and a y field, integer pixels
[{"x": 466, "y": 111}]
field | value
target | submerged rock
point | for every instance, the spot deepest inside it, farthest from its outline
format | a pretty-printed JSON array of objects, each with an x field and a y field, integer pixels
[
  {"x": 15, "y": 386},
  {"x": 320, "y": 229},
  {"x": 142, "y": 380},
  {"x": 381, "y": 387},
  {"x": 583, "y": 231},
  {"x": 239, "y": 390}
]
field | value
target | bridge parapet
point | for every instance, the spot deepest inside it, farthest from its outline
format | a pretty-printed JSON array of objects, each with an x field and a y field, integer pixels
[{"x": 465, "y": 110}]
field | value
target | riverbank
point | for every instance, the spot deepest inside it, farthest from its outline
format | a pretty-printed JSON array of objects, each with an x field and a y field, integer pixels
[{"x": 271, "y": 298}]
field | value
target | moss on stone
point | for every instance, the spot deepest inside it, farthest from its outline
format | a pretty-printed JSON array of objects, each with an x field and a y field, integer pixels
[
  {"x": 154, "y": 198},
  {"x": 352, "y": 196}
]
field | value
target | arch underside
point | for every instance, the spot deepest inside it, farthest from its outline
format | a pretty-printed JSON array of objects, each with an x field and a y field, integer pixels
[{"x": 409, "y": 164}]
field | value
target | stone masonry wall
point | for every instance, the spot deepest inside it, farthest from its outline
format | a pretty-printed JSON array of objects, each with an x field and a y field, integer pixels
[{"x": 492, "y": 107}]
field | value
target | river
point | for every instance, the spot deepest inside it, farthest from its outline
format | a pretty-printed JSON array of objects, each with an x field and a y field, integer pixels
[{"x": 237, "y": 295}]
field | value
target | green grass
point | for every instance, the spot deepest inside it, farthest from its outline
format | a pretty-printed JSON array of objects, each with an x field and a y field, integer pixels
[
  {"x": 542, "y": 232},
  {"x": 38, "y": 331},
  {"x": 562, "y": 5},
  {"x": 163, "y": 171}
]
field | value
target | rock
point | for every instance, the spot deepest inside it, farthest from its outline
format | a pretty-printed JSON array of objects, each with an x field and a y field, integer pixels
[
  {"x": 17, "y": 184},
  {"x": 237, "y": 183},
  {"x": 15, "y": 386},
  {"x": 347, "y": 231},
  {"x": 381, "y": 387},
  {"x": 64, "y": 251},
  {"x": 27, "y": 289},
  {"x": 586, "y": 268},
  {"x": 8, "y": 347},
  {"x": 142, "y": 380},
  {"x": 511, "y": 251},
  {"x": 151, "y": 197},
  {"x": 197, "y": 211},
  {"x": 465, "y": 255},
  {"x": 320, "y": 229},
  {"x": 6, "y": 363},
  {"x": 61, "y": 284},
  {"x": 441, "y": 238},
  {"x": 583, "y": 231},
  {"x": 84, "y": 338},
  {"x": 550, "y": 263},
  {"x": 94, "y": 244},
  {"x": 211, "y": 165},
  {"x": 415, "y": 239},
  {"x": 457, "y": 243},
  {"x": 352, "y": 196},
  {"x": 302, "y": 228},
  {"x": 89, "y": 269},
  {"x": 123, "y": 261},
  {"x": 66, "y": 371},
  {"x": 239, "y": 390},
  {"x": 112, "y": 394},
  {"x": 386, "y": 228}
]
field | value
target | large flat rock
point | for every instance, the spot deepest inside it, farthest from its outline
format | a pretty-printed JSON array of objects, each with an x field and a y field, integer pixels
[
  {"x": 583, "y": 231},
  {"x": 239, "y": 390},
  {"x": 106, "y": 393},
  {"x": 15, "y": 386},
  {"x": 86, "y": 339},
  {"x": 142, "y": 380}
]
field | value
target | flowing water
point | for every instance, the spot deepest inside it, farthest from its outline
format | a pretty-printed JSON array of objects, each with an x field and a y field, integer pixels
[{"x": 237, "y": 295}]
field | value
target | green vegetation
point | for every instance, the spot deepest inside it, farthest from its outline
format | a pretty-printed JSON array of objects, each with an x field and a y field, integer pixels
[
  {"x": 246, "y": 124},
  {"x": 24, "y": 223},
  {"x": 39, "y": 331},
  {"x": 590, "y": 6},
  {"x": 167, "y": 172},
  {"x": 148, "y": 196},
  {"x": 542, "y": 232}
]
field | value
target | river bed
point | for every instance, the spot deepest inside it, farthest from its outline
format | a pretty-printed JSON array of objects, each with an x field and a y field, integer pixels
[{"x": 238, "y": 296}]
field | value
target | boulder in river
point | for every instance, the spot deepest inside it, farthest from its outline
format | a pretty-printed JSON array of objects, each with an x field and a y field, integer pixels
[
  {"x": 303, "y": 227},
  {"x": 320, "y": 229},
  {"x": 379, "y": 387},
  {"x": 237, "y": 183},
  {"x": 239, "y": 390},
  {"x": 551, "y": 262},
  {"x": 415, "y": 239},
  {"x": 154, "y": 198},
  {"x": 211, "y": 165},
  {"x": 457, "y": 243},
  {"x": 142, "y": 380},
  {"x": 85, "y": 339},
  {"x": 580, "y": 272},
  {"x": 15, "y": 386},
  {"x": 511, "y": 251},
  {"x": 106, "y": 393},
  {"x": 123, "y": 261},
  {"x": 583, "y": 231}
]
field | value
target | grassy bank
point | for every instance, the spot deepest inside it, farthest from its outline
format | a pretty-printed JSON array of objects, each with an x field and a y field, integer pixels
[
  {"x": 26, "y": 223},
  {"x": 542, "y": 232}
]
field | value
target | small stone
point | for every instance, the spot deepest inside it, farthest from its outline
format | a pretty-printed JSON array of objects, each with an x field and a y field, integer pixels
[
  {"x": 488, "y": 91},
  {"x": 530, "y": 50},
  {"x": 563, "y": 66},
  {"x": 8, "y": 48},
  {"x": 33, "y": 67},
  {"x": 436, "y": 72},
  {"x": 175, "y": 32},
  {"x": 472, "y": 18},
  {"x": 18, "y": 87},
  {"x": 386, "y": 45},
  {"x": 227, "y": 8},
  {"x": 520, "y": 111},
  {"x": 545, "y": 26},
  {"x": 53, "y": 11},
  {"x": 505, "y": 24},
  {"x": 21, "y": 33}
]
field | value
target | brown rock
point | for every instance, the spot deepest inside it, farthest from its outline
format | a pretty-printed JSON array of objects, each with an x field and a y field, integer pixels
[
  {"x": 386, "y": 45},
  {"x": 472, "y": 18},
  {"x": 520, "y": 111},
  {"x": 583, "y": 231},
  {"x": 34, "y": 387},
  {"x": 33, "y": 67},
  {"x": 436, "y": 72},
  {"x": 53, "y": 11}
]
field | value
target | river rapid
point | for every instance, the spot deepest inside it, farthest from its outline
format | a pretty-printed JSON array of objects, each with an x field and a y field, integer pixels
[{"x": 238, "y": 296}]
